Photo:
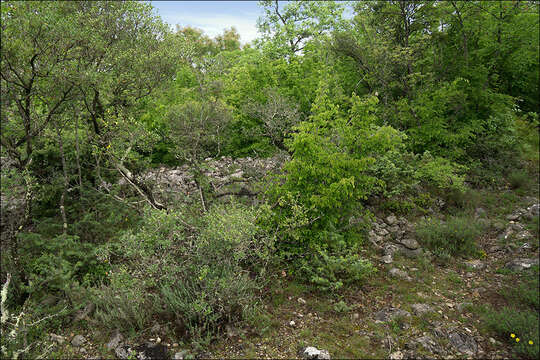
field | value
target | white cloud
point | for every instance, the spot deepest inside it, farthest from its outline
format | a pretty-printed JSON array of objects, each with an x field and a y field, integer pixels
[{"x": 245, "y": 24}]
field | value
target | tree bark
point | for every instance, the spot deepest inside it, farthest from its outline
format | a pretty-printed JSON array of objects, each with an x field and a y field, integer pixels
[{"x": 66, "y": 181}]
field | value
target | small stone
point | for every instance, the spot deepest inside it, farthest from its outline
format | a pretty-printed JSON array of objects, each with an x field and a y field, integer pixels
[
  {"x": 180, "y": 355},
  {"x": 479, "y": 213},
  {"x": 390, "y": 314},
  {"x": 115, "y": 341},
  {"x": 312, "y": 353},
  {"x": 57, "y": 338},
  {"x": 420, "y": 309},
  {"x": 492, "y": 341},
  {"x": 396, "y": 355},
  {"x": 475, "y": 264},
  {"x": 123, "y": 352},
  {"x": 409, "y": 243},
  {"x": 390, "y": 220},
  {"x": 292, "y": 323},
  {"x": 302, "y": 301},
  {"x": 463, "y": 342},
  {"x": 513, "y": 217},
  {"x": 534, "y": 209},
  {"x": 78, "y": 340},
  {"x": 461, "y": 306},
  {"x": 155, "y": 329},
  {"x": 387, "y": 259},
  {"x": 395, "y": 272},
  {"x": 356, "y": 316},
  {"x": 521, "y": 264}
]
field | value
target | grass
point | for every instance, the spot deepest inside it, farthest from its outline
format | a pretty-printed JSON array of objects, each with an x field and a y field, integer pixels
[
  {"x": 523, "y": 324},
  {"x": 455, "y": 236}
]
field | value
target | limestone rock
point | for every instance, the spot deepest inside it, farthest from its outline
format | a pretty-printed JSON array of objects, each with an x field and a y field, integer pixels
[
  {"x": 395, "y": 272},
  {"x": 78, "y": 340},
  {"x": 409, "y": 243},
  {"x": 389, "y": 314},
  {"x": 312, "y": 353},
  {"x": 115, "y": 341},
  {"x": 521, "y": 264},
  {"x": 463, "y": 342},
  {"x": 420, "y": 309},
  {"x": 475, "y": 264},
  {"x": 390, "y": 220}
]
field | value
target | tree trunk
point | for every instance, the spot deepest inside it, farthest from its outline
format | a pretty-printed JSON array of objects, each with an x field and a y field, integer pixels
[{"x": 66, "y": 181}]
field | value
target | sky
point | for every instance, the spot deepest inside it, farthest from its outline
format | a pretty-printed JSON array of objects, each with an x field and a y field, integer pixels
[{"x": 212, "y": 16}]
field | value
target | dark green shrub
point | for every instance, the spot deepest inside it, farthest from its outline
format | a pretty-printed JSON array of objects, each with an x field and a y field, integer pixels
[
  {"x": 456, "y": 236},
  {"x": 53, "y": 264},
  {"x": 518, "y": 179}
]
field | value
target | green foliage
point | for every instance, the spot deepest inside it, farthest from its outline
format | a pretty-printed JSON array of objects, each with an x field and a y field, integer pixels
[
  {"x": 53, "y": 264},
  {"x": 518, "y": 179},
  {"x": 523, "y": 324},
  {"x": 204, "y": 275},
  {"x": 525, "y": 294},
  {"x": 455, "y": 236},
  {"x": 441, "y": 174}
]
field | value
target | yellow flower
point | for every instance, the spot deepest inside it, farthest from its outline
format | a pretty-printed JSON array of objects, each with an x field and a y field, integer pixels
[
  {"x": 512, "y": 335},
  {"x": 517, "y": 339},
  {"x": 530, "y": 342}
]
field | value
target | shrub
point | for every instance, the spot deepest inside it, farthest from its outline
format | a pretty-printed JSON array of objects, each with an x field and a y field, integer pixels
[
  {"x": 53, "y": 264},
  {"x": 456, "y": 236},
  {"x": 518, "y": 179},
  {"x": 202, "y": 274}
]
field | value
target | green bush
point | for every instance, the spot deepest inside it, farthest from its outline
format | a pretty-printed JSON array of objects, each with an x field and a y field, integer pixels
[
  {"x": 456, "y": 236},
  {"x": 202, "y": 273},
  {"x": 53, "y": 264},
  {"x": 518, "y": 179}
]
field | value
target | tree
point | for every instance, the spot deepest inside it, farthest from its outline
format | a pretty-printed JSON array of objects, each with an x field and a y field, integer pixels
[
  {"x": 66, "y": 61},
  {"x": 288, "y": 29}
]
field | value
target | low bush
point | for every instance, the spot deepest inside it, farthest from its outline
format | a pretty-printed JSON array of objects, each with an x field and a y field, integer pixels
[
  {"x": 456, "y": 236},
  {"x": 200, "y": 275},
  {"x": 518, "y": 179},
  {"x": 53, "y": 264}
]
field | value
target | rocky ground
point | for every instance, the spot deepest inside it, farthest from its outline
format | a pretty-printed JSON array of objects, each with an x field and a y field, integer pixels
[{"x": 414, "y": 307}]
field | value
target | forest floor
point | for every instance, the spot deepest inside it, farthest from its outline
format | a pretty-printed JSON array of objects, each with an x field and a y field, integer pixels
[
  {"x": 435, "y": 309},
  {"x": 451, "y": 325}
]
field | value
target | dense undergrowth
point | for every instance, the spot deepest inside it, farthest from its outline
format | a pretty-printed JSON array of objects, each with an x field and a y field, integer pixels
[{"x": 374, "y": 115}]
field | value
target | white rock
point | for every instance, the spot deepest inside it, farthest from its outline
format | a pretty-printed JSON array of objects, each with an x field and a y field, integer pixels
[{"x": 313, "y": 353}]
